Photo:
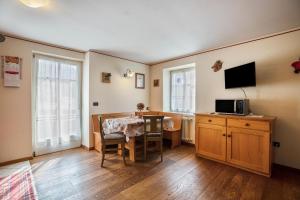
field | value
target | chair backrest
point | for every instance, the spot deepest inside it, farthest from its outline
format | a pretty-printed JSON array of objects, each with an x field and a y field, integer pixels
[
  {"x": 99, "y": 119},
  {"x": 97, "y": 125},
  {"x": 176, "y": 118},
  {"x": 116, "y": 115},
  {"x": 142, "y": 113},
  {"x": 153, "y": 123}
]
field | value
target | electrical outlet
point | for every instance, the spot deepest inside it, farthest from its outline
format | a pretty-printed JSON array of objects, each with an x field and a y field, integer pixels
[{"x": 276, "y": 144}]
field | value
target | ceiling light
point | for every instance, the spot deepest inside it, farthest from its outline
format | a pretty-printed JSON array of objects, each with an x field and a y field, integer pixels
[{"x": 35, "y": 3}]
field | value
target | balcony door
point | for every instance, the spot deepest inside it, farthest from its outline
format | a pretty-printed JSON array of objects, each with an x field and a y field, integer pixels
[{"x": 56, "y": 102}]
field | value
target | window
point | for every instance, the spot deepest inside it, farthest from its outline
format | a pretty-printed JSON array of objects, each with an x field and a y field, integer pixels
[
  {"x": 57, "y": 104},
  {"x": 183, "y": 90}
]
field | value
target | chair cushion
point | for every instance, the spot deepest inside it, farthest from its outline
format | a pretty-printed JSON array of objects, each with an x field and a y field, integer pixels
[
  {"x": 153, "y": 134},
  {"x": 114, "y": 136}
]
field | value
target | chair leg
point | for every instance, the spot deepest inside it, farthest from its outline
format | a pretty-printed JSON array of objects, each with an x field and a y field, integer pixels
[
  {"x": 123, "y": 152},
  {"x": 145, "y": 149},
  {"x": 103, "y": 155}
]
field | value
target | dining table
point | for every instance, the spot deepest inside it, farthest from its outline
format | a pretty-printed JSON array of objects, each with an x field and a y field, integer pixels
[{"x": 132, "y": 127}]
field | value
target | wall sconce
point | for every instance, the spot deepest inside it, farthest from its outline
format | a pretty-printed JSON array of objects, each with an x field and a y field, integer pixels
[
  {"x": 128, "y": 73},
  {"x": 296, "y": 65}
]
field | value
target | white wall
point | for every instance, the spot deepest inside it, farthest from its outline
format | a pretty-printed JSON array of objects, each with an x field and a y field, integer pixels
[
  {"x": 15, "y": 103},
  {"x": 120, "y": 95},
  {"x": 277, "y": 92}
]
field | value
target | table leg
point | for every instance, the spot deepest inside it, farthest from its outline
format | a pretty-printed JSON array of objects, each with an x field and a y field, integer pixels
[
  {"x": 131, "y": 144},
  {"x": 119, "y": 149}
]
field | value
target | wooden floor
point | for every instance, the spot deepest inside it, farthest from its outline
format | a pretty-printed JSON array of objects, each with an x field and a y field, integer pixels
[{"x": 76, "y": 174}]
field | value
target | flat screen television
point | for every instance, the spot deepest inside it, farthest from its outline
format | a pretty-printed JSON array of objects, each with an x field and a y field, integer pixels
[{"x": 241, "y": 76}]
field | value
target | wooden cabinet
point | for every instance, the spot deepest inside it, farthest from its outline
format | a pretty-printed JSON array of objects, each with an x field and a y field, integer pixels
[
  {"x": 243, "y": 142},
  {"x": 248, "y": 148},
  {"x": 211, "y": 141}
]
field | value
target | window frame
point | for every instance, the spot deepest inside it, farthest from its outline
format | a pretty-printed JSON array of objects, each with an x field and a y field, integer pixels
[
  {"x": 62, "y": 60},
  {"x": 185, "y": 69}
]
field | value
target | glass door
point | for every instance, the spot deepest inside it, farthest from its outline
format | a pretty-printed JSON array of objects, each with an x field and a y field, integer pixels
[{"x": 57, "y": 121}]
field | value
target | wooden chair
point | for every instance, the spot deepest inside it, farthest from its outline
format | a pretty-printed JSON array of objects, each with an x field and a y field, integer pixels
[
  {"x": 108, "y": 139},
  {"x": 174, "y": 134},
  {"x": 153, "y": 131},
  {"x": 97, "y": 138}
]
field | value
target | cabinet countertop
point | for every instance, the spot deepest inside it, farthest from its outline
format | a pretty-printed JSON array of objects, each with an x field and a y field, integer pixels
[{"x": 246, "y": 117}]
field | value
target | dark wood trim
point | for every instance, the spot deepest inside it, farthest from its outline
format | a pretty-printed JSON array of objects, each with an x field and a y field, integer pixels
[
  {"x": 187, "y": 143},
  {"x": 42, "y": 43},
  {"x": 63, "y": 47},
  {"x": 87, "y": 148},
  {"x": 15, "y": 161},
  {"x": 105, "y": 54},
  {"x": 227, "y": 46},
  {"x": 279, "y": 166},
  {"x": 155, "y": 63}
]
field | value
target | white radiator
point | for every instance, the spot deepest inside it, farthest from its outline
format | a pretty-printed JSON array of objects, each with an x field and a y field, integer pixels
[{"x": 187, "y": 129}]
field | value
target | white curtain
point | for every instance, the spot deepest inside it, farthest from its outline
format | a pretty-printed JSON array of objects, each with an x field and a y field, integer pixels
[
  {"x": 183, "y": 90},
  {"x": 57, "y": 105}
]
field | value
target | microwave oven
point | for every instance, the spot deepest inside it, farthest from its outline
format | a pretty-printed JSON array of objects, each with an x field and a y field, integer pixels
[{"x": 232, "y": 106}]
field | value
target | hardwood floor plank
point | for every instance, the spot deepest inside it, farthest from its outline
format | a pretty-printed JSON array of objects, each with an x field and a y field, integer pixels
[
  {"x": 147, "y": 169},
  {"x": 234, "y": 188},
  {"x": 191, "y": 185},
  {"x": 254, "y": 188},
  {"x": 160, "y": 181},
  {"x": 216, "y": 187},
  {"x": 76, "y": 174}
]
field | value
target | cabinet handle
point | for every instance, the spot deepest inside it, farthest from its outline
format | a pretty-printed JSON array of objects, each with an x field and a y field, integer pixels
[
  {"x": 247, "y": 124},
  {"x": 209, "y": 120},
  {"x": 229, "y": 136},
  {"x": 224, "y": 134}
]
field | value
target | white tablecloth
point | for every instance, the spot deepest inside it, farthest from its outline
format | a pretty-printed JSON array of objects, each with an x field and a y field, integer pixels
[{"x": 130, "y": 126}]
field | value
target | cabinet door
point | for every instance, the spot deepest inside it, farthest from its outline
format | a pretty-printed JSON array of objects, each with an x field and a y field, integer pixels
[
  {"x": 249, "y": 148},
  {"x": 211, "y": 141}
]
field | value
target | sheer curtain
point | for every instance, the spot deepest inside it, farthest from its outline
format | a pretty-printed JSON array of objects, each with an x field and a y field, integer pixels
[
  {"x": 57, "y": 105},
  {"x": 183, "y": 90}
]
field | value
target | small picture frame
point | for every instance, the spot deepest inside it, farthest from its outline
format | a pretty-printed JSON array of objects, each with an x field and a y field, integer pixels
[
  {"x": 106, "y": 77},
  {"x": 139, "y": 81},
  {"x": 11, "y": 71},
  {"x": 156, "y": 83}
]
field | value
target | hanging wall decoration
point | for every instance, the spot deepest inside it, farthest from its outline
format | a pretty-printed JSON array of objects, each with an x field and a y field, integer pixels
[
  {"x": 106, "y": 77},
  {"x": 139, "y": 81},
  {"x": 217, "y": 66},
  {"x": 296, "y": 66},
  {"x": 12, "y": 71},
  {"x": 156, "y": 83}
]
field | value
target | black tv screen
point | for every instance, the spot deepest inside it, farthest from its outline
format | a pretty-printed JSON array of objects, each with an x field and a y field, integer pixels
[{"x": 241, "y": 76}]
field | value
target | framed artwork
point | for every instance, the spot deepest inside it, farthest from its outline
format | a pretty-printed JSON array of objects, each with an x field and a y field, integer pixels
[
  {"x": 12, "y": 71},
  {"x": 106, "y": 77},
  {"x": 139, "y": 81},
  {"x": 156, "y": 83}
]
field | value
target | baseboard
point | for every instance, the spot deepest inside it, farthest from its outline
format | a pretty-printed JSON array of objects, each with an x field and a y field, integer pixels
[
  {"x": 187, "y": 143},
  {"x": 286, "y": 167},
  {"x": 15, "y": 161},
  {"x": 87, "y": 148}
]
